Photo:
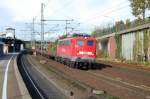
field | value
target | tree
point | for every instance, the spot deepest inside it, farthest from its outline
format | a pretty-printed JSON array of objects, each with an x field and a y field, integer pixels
[
  {"x": 139, "y": 7},
  {"x": 128, "y": 23},
  {"x": 93, "y": 34},
  {"x": 119, "y": 25}
]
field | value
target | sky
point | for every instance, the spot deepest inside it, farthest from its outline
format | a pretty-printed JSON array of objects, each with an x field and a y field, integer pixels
[{"x": 87, "y": 15}]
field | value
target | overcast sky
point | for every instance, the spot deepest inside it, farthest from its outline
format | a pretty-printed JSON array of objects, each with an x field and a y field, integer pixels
[{"x": 89, "y": 13}]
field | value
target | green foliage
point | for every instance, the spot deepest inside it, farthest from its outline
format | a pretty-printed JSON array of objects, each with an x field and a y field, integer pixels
[
  {"x": 137, "y": 47},
  {"x": 99, "y": 53},
  {"x": 56, "y": 42},
  {"x": 119, "y": 46},
  {"x": 112, "y": 97},
  {"x": 145, "y": 43},
  {"x": 119, "y": 26},
  {"x": 106, "y": 96},
  {"x": 128, "y": 23},
  {"x": 52, "y": 47},
  {"x": 105, "y": 54},
  {"x": 93, "y": 34},
  {"x": 103, "y": 31},
  {"x": 140, "y": 46},
  {"x": 139, "y": 7},
  {"x": 138, "y": 21},
  {"x": 147, "y": 63}
]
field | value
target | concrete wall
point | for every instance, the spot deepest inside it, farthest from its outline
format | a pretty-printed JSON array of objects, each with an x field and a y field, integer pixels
[
  {"x": 128, "y": 41},
  {"x": 133, "y": 44},
  {"x": 112, "y": 48},
  {"x": 107, "y": 45},
  {"x": 102, "y": 45},
  {"x": 149, "y": 45}
]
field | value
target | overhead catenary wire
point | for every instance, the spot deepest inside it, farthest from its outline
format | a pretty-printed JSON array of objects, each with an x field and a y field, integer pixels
[
  {"x": 95, "y": 18},
  {"x": 62, "y": 8},
  {"x": 106, "y": 13},
  {"x": 109, "y": 11}
]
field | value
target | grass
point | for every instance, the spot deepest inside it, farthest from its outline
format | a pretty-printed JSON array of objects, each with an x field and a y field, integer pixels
[{"x": 107, "y": 96}]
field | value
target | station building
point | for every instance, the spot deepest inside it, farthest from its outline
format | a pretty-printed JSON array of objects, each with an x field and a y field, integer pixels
[
  {"x": 10, "y": 43},
  {"x": 1, "y": 48}
]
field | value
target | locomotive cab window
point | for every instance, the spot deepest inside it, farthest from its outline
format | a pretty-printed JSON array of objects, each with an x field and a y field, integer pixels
[
  {"x": 90, "y": 43},
  {"x": 67, "y": 42},
  {"x": 80, "y": 43}
]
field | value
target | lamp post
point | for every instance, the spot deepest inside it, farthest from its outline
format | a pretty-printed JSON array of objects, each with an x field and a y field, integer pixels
[{"x": 14, "y": 41}]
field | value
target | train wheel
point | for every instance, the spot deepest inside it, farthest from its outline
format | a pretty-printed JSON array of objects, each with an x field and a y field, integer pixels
[
  {"x": 72, "y": 64},
  {"x": 69, "y": 64},
  {"x": 78, "y": 66},
  {"x": 75, "y": 64},
  {"x": 85, "y": 66},
  {"x": 92, "y": 65},
  {"x": 89, "y": 66},
  {"x": 56, "y": 59},
  {"x": 61, "y": 60},
  {"x": 64, "y": 62}
]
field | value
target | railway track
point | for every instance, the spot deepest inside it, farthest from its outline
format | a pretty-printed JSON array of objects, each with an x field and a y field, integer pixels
[
  {"x": 38, "y": 86},
  {"x": 141, "y": 90},
  {"x": 31, "y": 85},
  {"x": 114, "y": 85}
]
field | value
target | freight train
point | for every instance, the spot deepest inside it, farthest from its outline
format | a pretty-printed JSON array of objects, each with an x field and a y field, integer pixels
[{"x": 78, "y": 51}]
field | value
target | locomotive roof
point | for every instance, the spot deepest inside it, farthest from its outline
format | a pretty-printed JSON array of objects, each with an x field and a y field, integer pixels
[{"x": 76, "y": 38}]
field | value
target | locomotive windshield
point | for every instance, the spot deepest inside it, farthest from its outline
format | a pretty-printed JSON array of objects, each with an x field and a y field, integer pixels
[
  {"x": 64, "y": 42},
  {"x": 90, "y": 43},
  {"x": 80, "y": 42}
]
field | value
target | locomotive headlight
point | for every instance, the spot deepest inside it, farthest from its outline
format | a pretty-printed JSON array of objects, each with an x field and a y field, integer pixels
[
  {"x": 90, "y": 53},
  {"x": 81, "y": 52}
]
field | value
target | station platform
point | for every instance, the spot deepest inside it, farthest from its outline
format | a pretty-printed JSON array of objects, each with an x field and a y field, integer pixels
[{"x": 11, "y": 83}]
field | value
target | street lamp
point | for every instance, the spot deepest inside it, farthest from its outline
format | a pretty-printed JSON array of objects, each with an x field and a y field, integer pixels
[{"x": 14, "y": 41}]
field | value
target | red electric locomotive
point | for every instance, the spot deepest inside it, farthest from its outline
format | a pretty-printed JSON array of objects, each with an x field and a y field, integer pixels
[{"x": 77, "y": 52}]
